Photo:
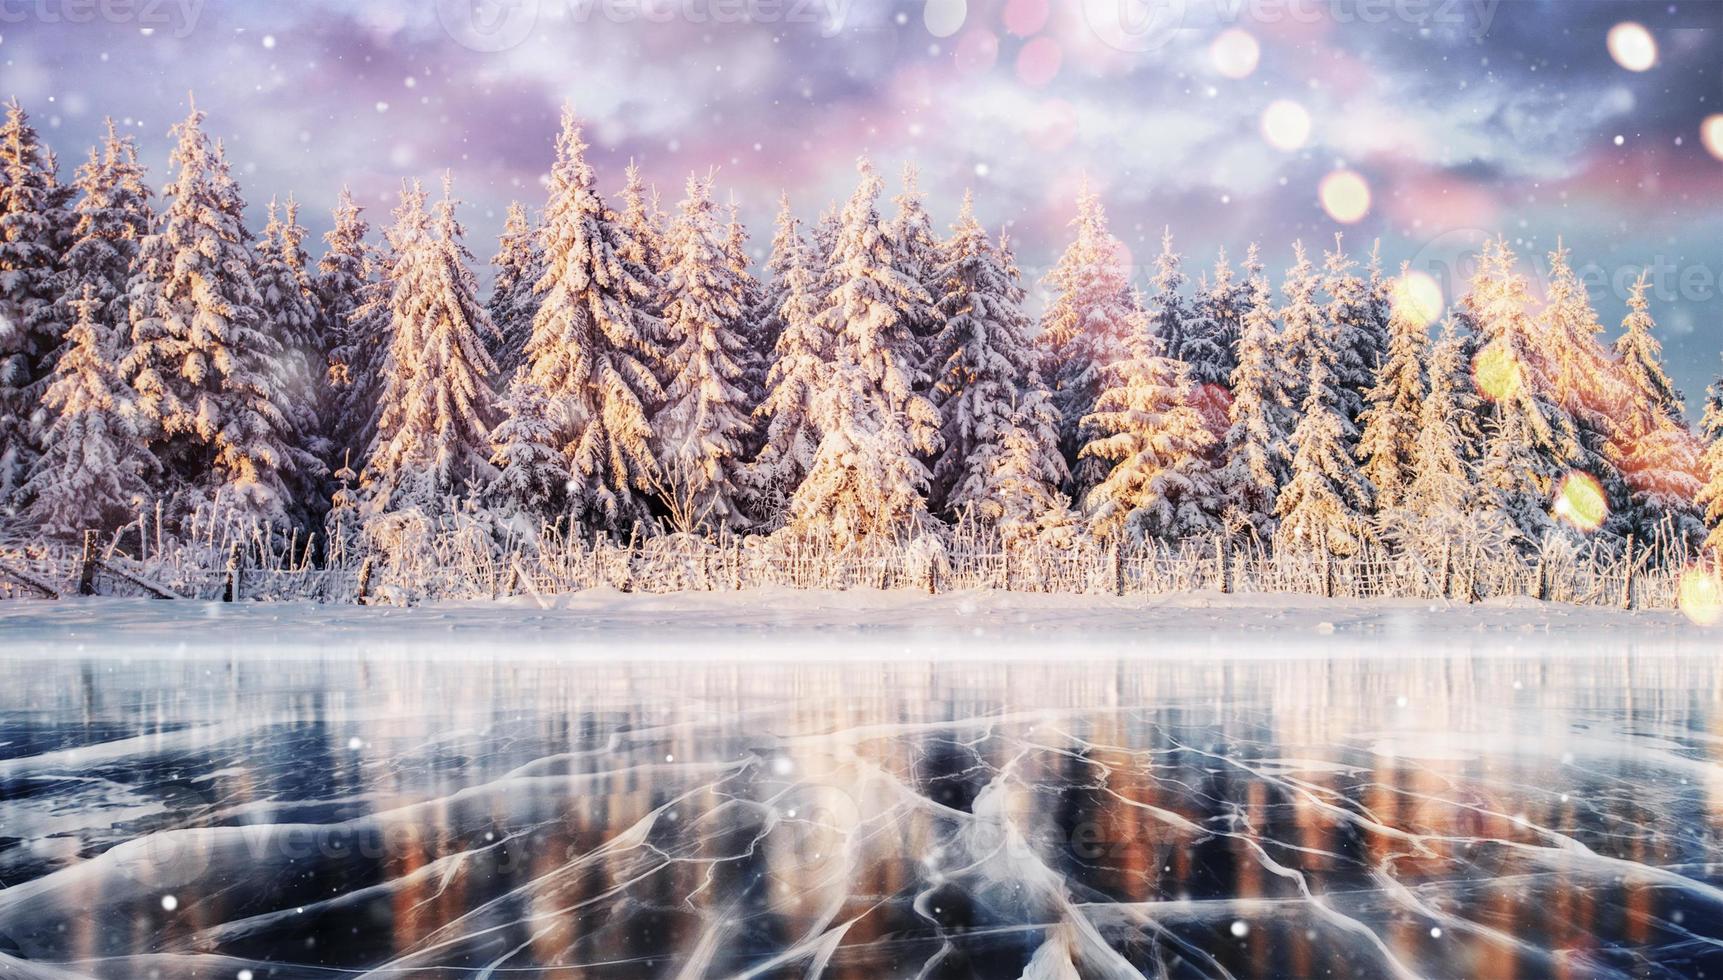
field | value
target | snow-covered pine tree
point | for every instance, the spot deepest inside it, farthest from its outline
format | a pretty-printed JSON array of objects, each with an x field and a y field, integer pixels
[
  {"x": 1256, "y": 458},
  {"x": 1085, "y": 330},
  {"x": 436, "y": 410},
  {"x": 1303, "y": 324},
  {"x": 701, "y": 429},
  {"x": 353, "y": 296},
  {"x": 752, "y": 325},
  {"x": 1379, "y": 308},
  {"x": 767, "y": 315},
  {"x": 1583, "y": 380},
  {"x": 800, "y": 368},
  {"x": 916, "y": 256},
  {"x": 518, "y": 266},
  {"x": 1147, "y": 429},
  {"x": 92, "y": 474},
  {"x": 110, "y": 220},
  {"x": 996, "y": 418},
  {"x": 1391, "y": 417},
  {"x": 524, "y": 451},
  {"x": 867, "y": 477},
  {"x": 592, "y": 347},
  {"x": 1441, "y": 483},
  {"x": 1653, "y": 450},
  {"x": 1217, "y": 322},
  {"x": 1169, "y": 314},
  {"x": 32, "y": 223},
  {"x": 288, "y": 305},
  {"x": 1324, "y": 503},
  {"x": 1350, "y": 317},
  {"x": 1710, "y": 496},
  {"x": 204, "y": 358},
  {"x": 1531, "y": 442}
]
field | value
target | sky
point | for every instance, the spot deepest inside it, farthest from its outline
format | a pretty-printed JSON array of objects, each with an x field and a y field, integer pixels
[{"x": 1432, "y": 123}]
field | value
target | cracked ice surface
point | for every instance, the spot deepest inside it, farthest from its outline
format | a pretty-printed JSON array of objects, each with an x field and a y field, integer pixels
[{"x": 1468, "y": 804}]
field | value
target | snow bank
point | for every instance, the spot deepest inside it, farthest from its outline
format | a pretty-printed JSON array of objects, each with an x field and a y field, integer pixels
[{"x": 796, "y": 625}]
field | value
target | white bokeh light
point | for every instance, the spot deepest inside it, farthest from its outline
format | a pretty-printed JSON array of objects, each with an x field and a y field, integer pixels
[
  {"x": 1286, "y": 125},
  {"x": 1632, "y": 46},
  {"x": 1235, "y": 53}
]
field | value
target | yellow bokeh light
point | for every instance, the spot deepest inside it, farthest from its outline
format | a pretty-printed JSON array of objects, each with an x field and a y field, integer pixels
[
  {"x": 1235, "y": 53},
  {"x": 1496, "y": 372},
  {"x": 1285, "y": 124},
  {"x": 1580, "y": 501},
  {"x": 1345, "y": 196},
  {"x": 1419, "y": 295},
  {"x": 1632, "y": 46},
  {"x": 1699, "y": 595},
  {"x": 1711, "y": 134}
]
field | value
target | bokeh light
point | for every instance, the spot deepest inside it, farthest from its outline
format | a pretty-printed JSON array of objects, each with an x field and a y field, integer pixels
[
  {"x": 1632, "y": 46},
  {"x": 1345, "y": 196},
  {"x": 1038, "y": 62},
  {"x": 977, "y": 51},
  {"x": 1699, "y": 595},
  {"x": 1711, "y": 134},
  {"x": 1418, "y": 295},
  {"x": 1285, "y": 124},
  {"x": 1496, "y": 372},
  {"x": 1235, "y": 53},
  {"x": 944, "y": 17},
  {"x": 1579, "y": 501},
  {"x": 1025, "y": 17}
]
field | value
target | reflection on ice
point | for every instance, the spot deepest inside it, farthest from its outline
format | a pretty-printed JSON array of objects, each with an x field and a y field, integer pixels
[{"x": 1450, "y": 816}]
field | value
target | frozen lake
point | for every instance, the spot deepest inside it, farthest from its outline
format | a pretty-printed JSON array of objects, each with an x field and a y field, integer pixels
[{"x": 302, "y": 793}]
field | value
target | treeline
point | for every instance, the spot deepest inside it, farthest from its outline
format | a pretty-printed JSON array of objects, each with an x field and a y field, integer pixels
[{"x": 630, "y": 373}]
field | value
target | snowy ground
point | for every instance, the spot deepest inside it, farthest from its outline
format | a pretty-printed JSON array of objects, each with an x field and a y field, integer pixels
[{"x": 868, "y": 624}]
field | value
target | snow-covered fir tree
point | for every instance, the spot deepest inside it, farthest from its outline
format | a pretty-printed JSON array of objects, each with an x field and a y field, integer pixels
[
  {"x": 752, "y": 325},
  {"x": 352, "y": 296},
  {"x": 1217, "y": 322},
  {"x": 32, "y": 221},
  {"x": 1442, "y": 483},
  {"x": 93, "y": 473},
  {"x": 436, "y": 409},
  {"x": 1303, "y": 323},
  {"x": 288, "y": 304},
  {"x": 1169, "y": 315},
  {"x": 1531, "y": 442},
  {"x": 592, "y": 346},
  {"x": 1256, "y": 456},
  {"x": 800, "y": 368},
  {"x": 867, "y": 477},
  {"x": 916, "y": 256},
  {"x": 1324, "y": 503},
  {"x": 204, "y": 359},
  {"x": 1653, "y": 450},
  {"x": 1085, "y": 330},
  {"x": 1710, "y": 496},
  {"x": 1391, "y": 417},
  {"x": 1146, "y": 428},
  {"x": 110, "y": 220},
  {"x": 524, "y": 450},
  {"x": 518, "y": 267},
  {"x": 1356, "y": 342},
  {"x": 1001, "y": 454},
  {"x": 705, "y": 420}
]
